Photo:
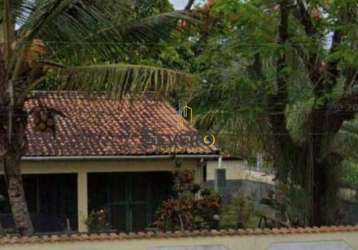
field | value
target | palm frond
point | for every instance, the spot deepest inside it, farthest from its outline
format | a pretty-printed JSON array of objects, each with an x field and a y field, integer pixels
[
  {"x": 61, "y": 22},
  {"x": 18, "y": 9},
  {"x": 147, "y": 28},
  {"x": 118, "y": 80},
  {"x": 84, "y": 31},
  {"x": 206, "y": 121},
  {"x": 44, "y": 13},
  {"x": 113, "y": 40}
]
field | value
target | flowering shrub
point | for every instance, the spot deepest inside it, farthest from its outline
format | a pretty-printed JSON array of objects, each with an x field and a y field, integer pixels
[
  {"x": 97, "y": 221},
  {"x": 185, "y": 211}
]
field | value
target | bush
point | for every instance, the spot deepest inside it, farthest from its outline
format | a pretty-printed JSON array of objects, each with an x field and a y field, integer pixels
[
  {"x": 185, "y": 211},
  {"x": 237, "y": 214},
  {"x": 284, "y": 207},
  {"x": 97, "y": 221},
  {"x": 350, "y": 174}
]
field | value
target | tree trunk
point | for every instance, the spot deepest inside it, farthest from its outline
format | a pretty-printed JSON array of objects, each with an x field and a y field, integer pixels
[
  {"x": 325, "y": 191},
  {"x": 14, "y": 149},
  {"x": 318, "y": 193},
  {"x": 319, "y": 178},
  {"x": 321, "y": 183},
  {"x": 16, "y": 195}
]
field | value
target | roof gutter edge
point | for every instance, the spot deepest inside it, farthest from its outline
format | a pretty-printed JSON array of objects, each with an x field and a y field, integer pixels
[{"x": 124, "y": 157}]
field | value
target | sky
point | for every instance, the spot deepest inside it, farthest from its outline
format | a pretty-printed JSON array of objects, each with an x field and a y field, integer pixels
[{"x": 180, "y": 4}]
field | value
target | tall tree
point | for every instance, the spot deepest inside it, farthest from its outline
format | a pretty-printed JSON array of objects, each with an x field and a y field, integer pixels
[
  {"x": 79, "y": 47},
  {"x": 287, "y": 71}
]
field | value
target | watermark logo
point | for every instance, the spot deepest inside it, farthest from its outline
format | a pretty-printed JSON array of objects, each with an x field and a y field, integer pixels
[
  {"x": 181, "y": 141},
  {"x": 186, "y": 113},
  {"x": 209, "y": 140}
]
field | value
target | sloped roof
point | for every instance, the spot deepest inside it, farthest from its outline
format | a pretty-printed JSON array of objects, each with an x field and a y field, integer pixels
[{"x": 97, "y": 125}]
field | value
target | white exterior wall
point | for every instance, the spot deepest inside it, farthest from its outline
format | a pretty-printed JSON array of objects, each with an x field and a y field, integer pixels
[{"x": 237, "y": 170}]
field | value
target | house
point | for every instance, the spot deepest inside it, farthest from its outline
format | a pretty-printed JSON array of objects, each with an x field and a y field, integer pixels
[
  {"x": 256, "y": 183},
  {"x": 238, "y": 168},
  {"x": 109, "y": 154},
  {"x": 241, "y": 178}
]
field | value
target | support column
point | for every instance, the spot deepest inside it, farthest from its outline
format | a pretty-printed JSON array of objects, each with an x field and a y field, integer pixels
[
  {"x": 82, "y": 200},
  {"x": 220, "y": 178}
]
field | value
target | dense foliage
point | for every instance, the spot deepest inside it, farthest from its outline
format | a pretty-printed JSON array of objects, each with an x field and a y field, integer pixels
[
  {"x": 239, "y": 213},
  {"x": 280, "y": 77},
  {"x": 350, "y": 174},
  {"x": 186, "y": 211}
]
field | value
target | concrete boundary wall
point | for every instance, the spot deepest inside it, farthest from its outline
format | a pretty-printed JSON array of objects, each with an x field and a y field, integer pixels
[{"x": 300, "y": 239}]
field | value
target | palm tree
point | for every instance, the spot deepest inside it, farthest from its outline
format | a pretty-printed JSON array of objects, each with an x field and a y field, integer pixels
[{"x": 71, "y": 41}]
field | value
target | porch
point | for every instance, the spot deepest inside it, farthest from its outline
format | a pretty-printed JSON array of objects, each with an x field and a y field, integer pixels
[{"x": 62, "y": 194}]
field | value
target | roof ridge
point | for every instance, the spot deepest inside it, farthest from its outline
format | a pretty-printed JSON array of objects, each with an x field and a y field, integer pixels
[
  {"x": 53, "y": 238},
  {"x": 80, "y": 92}
]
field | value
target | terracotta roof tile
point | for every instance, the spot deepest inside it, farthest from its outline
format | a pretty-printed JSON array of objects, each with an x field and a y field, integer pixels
[
  {"x": 178, "y": 234},
  {"x": 100, "y": 126}
]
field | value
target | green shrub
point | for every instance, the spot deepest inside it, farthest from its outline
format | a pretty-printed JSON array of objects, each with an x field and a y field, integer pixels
[
  {"x": 97, "y": 221},
  {"x": 187, "y": 211},
  {"x": 350, "y": 174},
  {"x": 237, "y": 214}
]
